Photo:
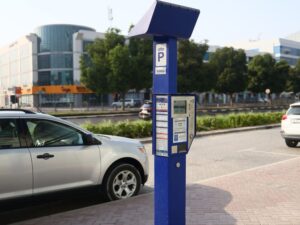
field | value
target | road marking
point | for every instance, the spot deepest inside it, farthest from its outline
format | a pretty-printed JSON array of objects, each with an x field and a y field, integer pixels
[
  {"x": 275, "y": 153},
  {"x": 246, "y": 170}
]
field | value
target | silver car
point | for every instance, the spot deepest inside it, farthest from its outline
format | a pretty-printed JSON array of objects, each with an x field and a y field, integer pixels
[{"x": 40, "y": 153}]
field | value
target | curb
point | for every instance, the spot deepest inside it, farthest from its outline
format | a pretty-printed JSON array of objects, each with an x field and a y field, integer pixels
[{"x": 218, "y": 132}]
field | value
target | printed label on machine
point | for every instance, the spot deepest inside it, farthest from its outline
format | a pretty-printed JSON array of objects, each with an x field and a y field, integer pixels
[
  {"x": 179, "y": 137},
  {"x": 179, "y": 124},
  {"x": 162, "y": 125},
  {"x": 161, "y": 117},
  {"x": 179, "y": 130}
]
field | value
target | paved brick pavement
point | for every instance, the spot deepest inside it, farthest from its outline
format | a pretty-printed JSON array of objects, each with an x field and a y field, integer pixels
[{"x": 268, "y": 195}]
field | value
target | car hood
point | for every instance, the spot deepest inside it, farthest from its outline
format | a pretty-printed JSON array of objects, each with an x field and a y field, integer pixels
[{"x": 102, "y": 137}]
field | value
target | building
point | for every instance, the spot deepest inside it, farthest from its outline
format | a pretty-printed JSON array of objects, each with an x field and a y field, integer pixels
[
  {"x": 211, "y": 50},
  {"x": 287, "y": 49},
  {"x": 42, "y": 68}
]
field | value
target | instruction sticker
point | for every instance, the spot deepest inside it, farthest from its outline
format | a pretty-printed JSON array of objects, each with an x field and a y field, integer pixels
[
  {"x": 179, "y": 137},
  {"x": 161, "y": 117},
  {"x": 179, "y": 130},
  {"x": 162, "y": 125},
  {"x": 179, "y": 124}
]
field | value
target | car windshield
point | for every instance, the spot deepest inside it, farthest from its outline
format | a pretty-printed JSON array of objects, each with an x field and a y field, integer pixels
[
  {"x": 294, "y": 111},
  {"x": 147, "y": 106}
]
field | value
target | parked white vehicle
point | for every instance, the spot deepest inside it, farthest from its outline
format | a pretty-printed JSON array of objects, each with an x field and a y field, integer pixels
[
  {"x": 40, "y": 153},
  {"x": 290, "y": 125}
]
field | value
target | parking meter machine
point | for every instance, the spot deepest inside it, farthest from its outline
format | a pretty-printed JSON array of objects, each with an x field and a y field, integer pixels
[
  {"x": 174, "y": 115},
  {"x": 175, "y": 124}
]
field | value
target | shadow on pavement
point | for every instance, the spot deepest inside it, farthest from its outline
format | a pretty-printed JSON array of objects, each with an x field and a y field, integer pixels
[
  {"x": 16, "y": 210},
  {"x": 33, "y": 207},
  {"x": 205, "y": 205}
]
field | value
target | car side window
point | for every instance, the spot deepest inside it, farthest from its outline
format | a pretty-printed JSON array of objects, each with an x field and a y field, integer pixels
[
  {"x": 49, "y": 133},
  {"x": 9, "y": 137}
]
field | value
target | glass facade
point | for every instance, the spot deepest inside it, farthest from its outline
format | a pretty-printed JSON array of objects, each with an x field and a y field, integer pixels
[
  {"x": 57, "y": 38},
  {"x": 291, "y": 55},
  {"x": 289, "y": 51},
  {"x": 56, "y": 77},
  {"x": 55, "y": 53},
  {"x": 55, "y": 61}
]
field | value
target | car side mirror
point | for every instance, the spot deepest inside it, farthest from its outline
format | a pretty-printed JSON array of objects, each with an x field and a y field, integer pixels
[{"x": 90, "y": 140}]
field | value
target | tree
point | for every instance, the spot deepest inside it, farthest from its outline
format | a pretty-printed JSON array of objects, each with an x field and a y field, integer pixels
[
  {"x": 278, "y": 83},
  {"x": 120, "y": 77},
  {"x": 265, "y": 73},
  {"x": 140, "y": 51},
  {"x": 108, "y": 65},
  {"x": 293, "y": 82},
  {"x": 94, "y": 69},
  {"x": 193, "y": 74},
  {"x": 95, "y": 65},
  {"x": 230, "y": 69}
]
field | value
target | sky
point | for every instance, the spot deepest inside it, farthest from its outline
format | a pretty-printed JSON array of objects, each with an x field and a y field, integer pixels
[{"x": 221, "y": 22}]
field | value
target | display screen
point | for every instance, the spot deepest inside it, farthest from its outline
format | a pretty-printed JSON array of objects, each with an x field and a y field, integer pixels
[{"x": 180, "y": 107}]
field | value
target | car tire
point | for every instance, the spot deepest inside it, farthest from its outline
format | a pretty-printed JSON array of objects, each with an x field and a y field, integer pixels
[
  {"x": 123, "y": 181},
  {"x": 291, "y": 143}
]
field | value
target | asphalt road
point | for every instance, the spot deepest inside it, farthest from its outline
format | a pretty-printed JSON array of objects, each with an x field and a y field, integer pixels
[
  {"x": 209, "y": 157},
  {"x": 218, "y": 155}
]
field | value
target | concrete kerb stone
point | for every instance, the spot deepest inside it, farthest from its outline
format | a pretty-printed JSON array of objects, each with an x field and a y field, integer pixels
[{"x": 224, "y": 131}]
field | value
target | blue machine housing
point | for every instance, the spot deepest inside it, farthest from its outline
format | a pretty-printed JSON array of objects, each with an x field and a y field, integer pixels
[
  {"x": 166, "y": 23},
  {"x": 166, "y": 19}
]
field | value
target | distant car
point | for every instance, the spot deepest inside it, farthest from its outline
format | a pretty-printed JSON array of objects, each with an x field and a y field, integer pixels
[
  {"x": 129, "y": 103},
  {"x": 263, "y": 100},
  {"x": 290, "y": 125},
  {"x": 146, "y": 110},
  {"x": 40, "y": 153}
]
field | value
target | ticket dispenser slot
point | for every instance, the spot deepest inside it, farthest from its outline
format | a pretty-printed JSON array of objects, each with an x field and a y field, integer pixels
[{"x": 183, "y": 115}]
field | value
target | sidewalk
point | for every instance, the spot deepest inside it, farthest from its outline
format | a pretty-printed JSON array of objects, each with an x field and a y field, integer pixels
[{"x": 268, "y": 195}]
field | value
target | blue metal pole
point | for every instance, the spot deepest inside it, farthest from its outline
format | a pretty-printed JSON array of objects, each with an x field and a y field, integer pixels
[{"x": 170, "y": 170}]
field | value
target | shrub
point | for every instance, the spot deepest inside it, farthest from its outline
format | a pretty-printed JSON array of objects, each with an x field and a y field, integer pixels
[
  {"x": 139, "y": 129},
  {"x": 132, "y": 129}
]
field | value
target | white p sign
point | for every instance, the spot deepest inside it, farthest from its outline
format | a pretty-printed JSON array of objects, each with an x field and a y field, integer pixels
[{"x": 161, "y": 55}]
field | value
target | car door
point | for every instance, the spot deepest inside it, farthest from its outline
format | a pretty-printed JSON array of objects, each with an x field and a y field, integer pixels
[
  {"x": 15, "y": 161},
  {"x": 61, "y": 157}
]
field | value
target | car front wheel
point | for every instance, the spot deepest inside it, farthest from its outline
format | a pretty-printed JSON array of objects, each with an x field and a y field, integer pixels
[
  {"x": 122, "y": 182},
  {"x": 291, "y": 143}
]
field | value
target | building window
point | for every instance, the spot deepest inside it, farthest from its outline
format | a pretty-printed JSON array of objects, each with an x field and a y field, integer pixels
[
  {"x": 55, "y": 61},
  {"x": 44, "y": 78}
]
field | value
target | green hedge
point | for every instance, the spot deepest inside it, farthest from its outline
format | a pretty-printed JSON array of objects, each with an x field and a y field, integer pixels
[
  {"x": 205, "y": 123},
  {"x": 132, "y": 129},
  {"x": 139, "y": 129}
]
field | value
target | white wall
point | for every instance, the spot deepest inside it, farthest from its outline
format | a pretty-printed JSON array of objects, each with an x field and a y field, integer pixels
[
  {"x": 18, "y": 65},
  {"x": 78, "y": 39}
]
